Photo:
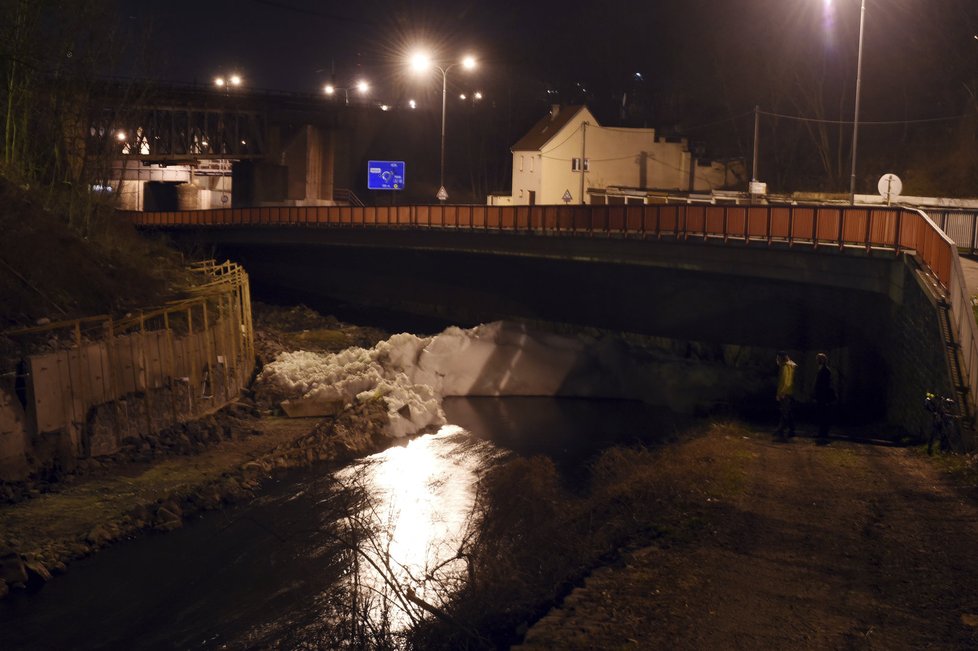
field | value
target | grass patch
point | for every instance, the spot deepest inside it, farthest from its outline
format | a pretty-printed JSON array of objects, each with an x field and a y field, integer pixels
[
  {"x": 536, "y": 541},
  {"x": 961, "y": 468}
]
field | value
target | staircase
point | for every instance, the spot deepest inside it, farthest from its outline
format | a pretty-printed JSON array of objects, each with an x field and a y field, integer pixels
[
  {"x": 347, "y": 195},
  {"x": 953, "y": 351}
]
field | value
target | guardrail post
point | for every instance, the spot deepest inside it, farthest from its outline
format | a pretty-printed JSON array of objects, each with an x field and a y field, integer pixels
[
  {"x": 770, "y": 224},
  {"x": 869, "y": 223},
  {"x": 898, "y": 236},
  {"x": 842, "y": 222}
]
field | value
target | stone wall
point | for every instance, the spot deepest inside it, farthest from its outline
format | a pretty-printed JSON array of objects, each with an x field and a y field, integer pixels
[{"x": 915, "y": 355}]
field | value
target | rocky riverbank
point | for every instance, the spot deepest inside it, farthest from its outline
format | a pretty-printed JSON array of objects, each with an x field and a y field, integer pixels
[
  {"x": 156, "y": 482},
  {"x": 121, "y": 499}
]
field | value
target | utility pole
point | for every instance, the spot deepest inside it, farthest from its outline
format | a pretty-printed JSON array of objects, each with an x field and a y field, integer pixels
[
  {"x": 583, "y": 156},
  {"x": 757, "y": 133}
]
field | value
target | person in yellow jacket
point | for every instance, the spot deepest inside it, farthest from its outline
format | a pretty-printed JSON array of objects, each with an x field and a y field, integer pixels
[{"x": 785, "y": 394}]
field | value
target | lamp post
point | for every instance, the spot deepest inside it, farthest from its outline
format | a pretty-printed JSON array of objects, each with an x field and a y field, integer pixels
[
  {"x": 421, "y": 62},
  {"x": 227, "y": 82},
  {"x": 361, "y": 87},
  {"x": 855, "y": 119}
]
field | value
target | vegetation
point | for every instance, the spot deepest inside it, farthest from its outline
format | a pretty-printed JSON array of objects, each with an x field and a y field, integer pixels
[
  {"x": 63, "y": 254},
  {"x": 50, "y": 270},
  {"x": 530, "y": 540}
]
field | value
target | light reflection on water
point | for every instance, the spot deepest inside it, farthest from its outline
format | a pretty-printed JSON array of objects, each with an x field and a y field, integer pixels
[
  {"x": 276, "y": 572},
  {"x": 420, "y": 512}
]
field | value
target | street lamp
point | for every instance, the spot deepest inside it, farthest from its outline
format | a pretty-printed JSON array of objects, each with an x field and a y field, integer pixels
[
  {"x": 361, "y": 87},
  {"x": 855, "y": 119},
  {"x": 233, "y": 80},
  {"x": 421, "y": 62}
]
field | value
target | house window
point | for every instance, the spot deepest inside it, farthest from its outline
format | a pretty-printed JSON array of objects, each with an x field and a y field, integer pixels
[
  {"x": 531, "y": 163},
  {"x": 576, "y": 164},
  {"x": 521, "y": 162}
]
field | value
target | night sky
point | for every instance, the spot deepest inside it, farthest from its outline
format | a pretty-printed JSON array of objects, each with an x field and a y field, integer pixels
[
  {"x": 690, "y": 67},
  {"x": 293, "y": 44}
]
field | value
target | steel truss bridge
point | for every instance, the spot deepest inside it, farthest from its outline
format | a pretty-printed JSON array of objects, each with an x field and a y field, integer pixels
[{"x": 188, "y": 124}]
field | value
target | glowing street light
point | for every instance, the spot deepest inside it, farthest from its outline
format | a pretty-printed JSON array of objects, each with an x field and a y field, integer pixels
[
  {"x": 421, "y": 62},
  {"x": 227, "y": 82},
  {"x": 362, "y": 87}
]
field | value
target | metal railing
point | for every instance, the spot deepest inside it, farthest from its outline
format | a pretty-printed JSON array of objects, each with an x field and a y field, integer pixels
[
  {"x": 109, "y": 378},
  {"x": 869, "y": 228},
  {"x": 961, "y": 225}
]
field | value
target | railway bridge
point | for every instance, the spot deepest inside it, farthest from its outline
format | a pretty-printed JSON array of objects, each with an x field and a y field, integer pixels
[{"x": 198, "y": 147}]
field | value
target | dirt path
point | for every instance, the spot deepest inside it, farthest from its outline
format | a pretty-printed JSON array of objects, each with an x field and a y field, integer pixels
[{"x": 796, "y": 546}]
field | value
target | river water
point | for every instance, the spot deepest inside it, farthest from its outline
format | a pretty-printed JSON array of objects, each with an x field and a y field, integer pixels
[{"x": 279, "y": 572}]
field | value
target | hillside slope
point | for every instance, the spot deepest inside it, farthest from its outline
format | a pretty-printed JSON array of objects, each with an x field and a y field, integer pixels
[{"x": 48, "y": 270}]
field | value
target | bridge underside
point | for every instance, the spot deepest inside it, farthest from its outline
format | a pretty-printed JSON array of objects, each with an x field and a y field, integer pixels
[{"x": 752, "y": 300}]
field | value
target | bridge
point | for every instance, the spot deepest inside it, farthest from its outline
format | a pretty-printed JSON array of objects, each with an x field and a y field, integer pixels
[
  {"x": 181, "y": 146},
  {"x": 881, "y": 288}
]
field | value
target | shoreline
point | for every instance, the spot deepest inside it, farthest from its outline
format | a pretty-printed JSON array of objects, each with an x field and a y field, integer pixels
[{"x": 40, "y": 536}]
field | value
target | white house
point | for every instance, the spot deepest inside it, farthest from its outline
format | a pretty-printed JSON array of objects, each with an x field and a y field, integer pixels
[{"x": 568, "y": 154}]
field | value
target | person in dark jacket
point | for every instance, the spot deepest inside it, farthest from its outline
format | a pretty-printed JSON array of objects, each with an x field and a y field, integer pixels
[{"x": 824, "y": 396}]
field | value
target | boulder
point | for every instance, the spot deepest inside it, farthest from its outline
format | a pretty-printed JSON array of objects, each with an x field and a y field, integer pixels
[
  {"x": 167, "y": 520},
  {"x": 37, "y": 572},
  {"x": 12, "y": 568},
  {"x": 100, "y": 535}
]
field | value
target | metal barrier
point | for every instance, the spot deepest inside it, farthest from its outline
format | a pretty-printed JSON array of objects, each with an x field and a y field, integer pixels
[
  {"x": 869, "y": 228},
  {"x": 959, "y": 224}
]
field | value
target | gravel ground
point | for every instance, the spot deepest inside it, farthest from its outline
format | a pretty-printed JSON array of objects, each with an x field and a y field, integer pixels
[{"x": 793, "y": 546}]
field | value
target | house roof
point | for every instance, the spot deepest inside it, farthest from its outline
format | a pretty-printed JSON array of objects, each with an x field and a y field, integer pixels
[{"x": 547, "y": 128}]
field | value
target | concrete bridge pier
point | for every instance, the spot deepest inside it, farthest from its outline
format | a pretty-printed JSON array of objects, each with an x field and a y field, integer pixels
[{"x": 298, "y": 171}]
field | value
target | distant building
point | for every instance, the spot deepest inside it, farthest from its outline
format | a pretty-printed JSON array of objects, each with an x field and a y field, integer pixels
[{"x": 568, "y": 155}]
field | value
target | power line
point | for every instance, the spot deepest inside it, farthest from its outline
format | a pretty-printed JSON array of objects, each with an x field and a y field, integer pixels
[
  {"x": 799, "y": 118},
  {"x": 732, "y": 118}
]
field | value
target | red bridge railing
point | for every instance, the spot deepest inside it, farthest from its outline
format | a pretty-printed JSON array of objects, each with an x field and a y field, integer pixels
[{"x": 869, "y": 228}]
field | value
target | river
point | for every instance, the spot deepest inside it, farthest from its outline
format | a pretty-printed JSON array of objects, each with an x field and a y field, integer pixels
[{"x": 279, "y": 572}]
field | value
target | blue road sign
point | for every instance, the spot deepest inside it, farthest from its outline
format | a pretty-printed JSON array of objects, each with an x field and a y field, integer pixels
[{"x": 385, "y": 175}]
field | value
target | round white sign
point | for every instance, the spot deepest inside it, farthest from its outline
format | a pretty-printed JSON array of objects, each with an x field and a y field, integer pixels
[{"x": 890, "y": 187}]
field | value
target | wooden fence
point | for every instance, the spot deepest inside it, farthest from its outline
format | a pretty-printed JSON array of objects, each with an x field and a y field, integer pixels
[{"x": 107, "y": 379}]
